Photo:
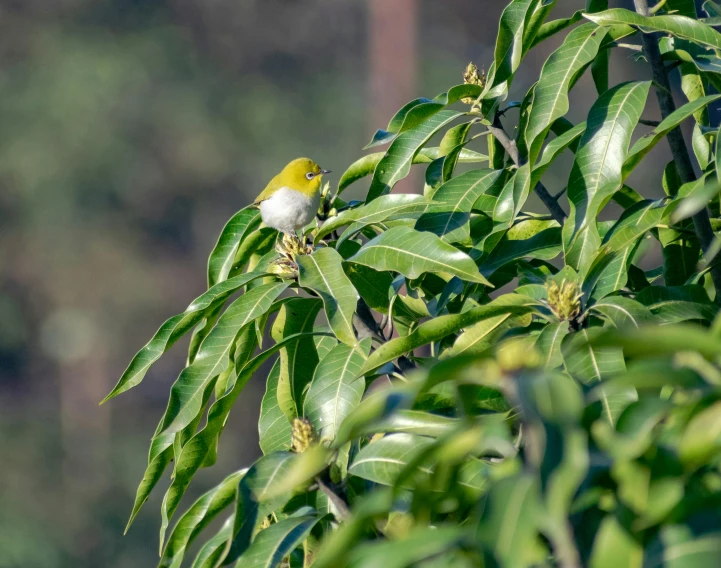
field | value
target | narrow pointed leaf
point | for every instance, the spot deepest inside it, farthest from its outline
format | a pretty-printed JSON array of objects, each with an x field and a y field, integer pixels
[
  {"x": 452, "y": 203},
  {"x": 596, "y": 172},
  {"x": 272, "y": 545},
  {"x": 223, "y": 255},
  {"x": 413, "y": 253},
  {"x": 323, "y": 273},
  {"x": 550, "y": 98},
  {"x": 202, "y": 512},
  {"x": 174, "y": 328},
  {"x": 673, "y": 304},
  {"x": 549, "y": 343},
  {"x": 334, "y": 392},
  {"x": 396, "y": 164},
  {"x": 383, "y": 460},
  {"x": 679, "y": 26},
  {"x": 185, "y": 395},
  {"x": 274, "y": 428}
]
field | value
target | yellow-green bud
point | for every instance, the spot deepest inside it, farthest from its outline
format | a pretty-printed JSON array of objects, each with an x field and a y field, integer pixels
[
  {"x": 284, "y": 267},
  {"x": 564, "y": 299},
  {"x": 472, "y": 76},
  {"x": 303, "y": 435}
]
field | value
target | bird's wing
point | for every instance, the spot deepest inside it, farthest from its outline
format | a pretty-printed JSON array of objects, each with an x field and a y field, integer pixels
[{"x": 269, "y": 190}]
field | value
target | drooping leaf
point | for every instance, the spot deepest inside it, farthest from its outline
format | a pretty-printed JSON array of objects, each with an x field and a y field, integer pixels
[
  {"x": 175, "y": 327},
  {"x": 382, "y": 460},
  {"x": 185, "y": 395},
  {"x": 274, "y": 428},
  {"x": 596, "y": 172},
  {"x": 555, "y": 148},
  {"x": 334, "y": 393},
  {"x": 213, "y": 551},
  {"x": 366, "y": 165},
  {"x": 622, "y": 312},
  {"x": 200, "y": 449},
  {"x": 672, "y": 304},
  {"x": 273, "y": 544},
  {"x": 298, "y": 359},
  {"x": 323, "y": 273},
  {"x": 379, "y": 210},
  {"x": 202, "y": 512},
  {"x": 413, "y": 253},
  {"x": 679, "y": 26},
  {"x": 645, "y": 144},
  {"x": 550, "y": 99},
  {"x": 223, "y": 255},
  {"x": 549, "y": 342},
  {"x": 452, "y": 202},
  {"x": 396, "y": 164}
]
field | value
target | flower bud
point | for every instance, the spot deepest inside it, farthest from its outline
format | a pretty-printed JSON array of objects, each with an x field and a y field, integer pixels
[{"x": 303, "y": 435}]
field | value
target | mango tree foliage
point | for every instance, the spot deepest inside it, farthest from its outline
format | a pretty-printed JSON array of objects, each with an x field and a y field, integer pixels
[{"x": 455, "y": 378}]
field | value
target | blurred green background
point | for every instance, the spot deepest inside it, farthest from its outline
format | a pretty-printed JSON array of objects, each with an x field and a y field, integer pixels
[{"x": 130, "y": 131}]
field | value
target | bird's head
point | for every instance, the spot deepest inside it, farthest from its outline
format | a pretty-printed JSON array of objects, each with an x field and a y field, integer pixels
[{"x": 304, "y": 175}]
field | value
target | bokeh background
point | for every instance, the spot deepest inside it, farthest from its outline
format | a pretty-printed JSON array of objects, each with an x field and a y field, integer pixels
[{"x": 130, "y": 131}]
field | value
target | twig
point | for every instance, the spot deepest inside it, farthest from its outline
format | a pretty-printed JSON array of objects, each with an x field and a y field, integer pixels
[
  {"x": 496, "y": 129},
  {"x": 645, "y": 122},
  {"x": 679, "y": 150}
]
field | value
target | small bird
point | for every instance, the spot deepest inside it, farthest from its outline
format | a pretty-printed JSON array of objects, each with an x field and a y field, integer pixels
[{"x": 291, "y": 200}]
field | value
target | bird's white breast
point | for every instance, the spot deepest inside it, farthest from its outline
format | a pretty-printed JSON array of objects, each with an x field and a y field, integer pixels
[{"x": 288, "y": 210}]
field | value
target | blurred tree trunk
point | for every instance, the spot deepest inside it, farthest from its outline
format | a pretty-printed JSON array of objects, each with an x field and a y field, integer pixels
[{"x": 393, "y": 66}]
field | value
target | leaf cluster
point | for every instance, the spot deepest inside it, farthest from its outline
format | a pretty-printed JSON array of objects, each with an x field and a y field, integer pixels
[{"x": 459, "y": 380}]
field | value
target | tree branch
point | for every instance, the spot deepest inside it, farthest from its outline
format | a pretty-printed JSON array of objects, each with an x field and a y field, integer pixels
[
  {"x": 496, "y": 129},
  {"x": 679, "y": 150}
]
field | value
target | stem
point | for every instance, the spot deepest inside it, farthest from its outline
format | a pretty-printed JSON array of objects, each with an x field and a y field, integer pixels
[
  {"x": 496, "y": 129},
  {"x": 681, "y": 157}
]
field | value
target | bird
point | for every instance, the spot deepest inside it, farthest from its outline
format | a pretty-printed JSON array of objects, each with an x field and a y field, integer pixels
[{"x": 291, "y": 199}]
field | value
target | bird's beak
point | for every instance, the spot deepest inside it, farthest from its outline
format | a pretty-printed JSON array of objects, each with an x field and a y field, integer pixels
[{"x": 325, "y": 171}]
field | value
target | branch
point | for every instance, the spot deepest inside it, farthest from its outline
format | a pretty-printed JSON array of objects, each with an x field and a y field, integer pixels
[
  {"x": 496, "y": 129},
  {"x": 679, "y": 150}
]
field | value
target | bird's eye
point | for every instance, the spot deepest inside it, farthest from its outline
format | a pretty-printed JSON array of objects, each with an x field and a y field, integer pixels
[{"x": 310, "y": 175}]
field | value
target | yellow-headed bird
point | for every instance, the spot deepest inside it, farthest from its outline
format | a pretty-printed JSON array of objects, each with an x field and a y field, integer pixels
[{"x": 291, "y": 200}]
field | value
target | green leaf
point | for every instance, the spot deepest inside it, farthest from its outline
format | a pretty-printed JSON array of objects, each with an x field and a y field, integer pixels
[
  {"x": 555, "y": 148},
  {"x": 550, "y": 99},
  {"x": 413, "y": 253},
  {"x": 258, "y": 497},
  {"x": 591, "y": 364},
  {"x": 645, "y": 144},
  {"x": 323, "y": 273},
  {"x": 200, "y": 450},
  {"x": 634, "y": 223},
  {"x": 673, "y": 304},
  {"x": 421, "y": 543},
  {"x": 175, "y": 327},
  {"x": 661, "y": 340},
  {"x": 222, "y": 257},
  {"x": 551, "y": 28},
  {"x": 614, "y": 546},
  {"x": 695, "y": 196},
  {"x": 421, "y": 110},
  {"x": 622, "y": 312},
  {"x": 202, "y": 512},
  {"x": 596, "y": 172},
  {"x": 411, "y": 422},
  {"x": 701, "y": 440},
  {"x": 298, "y": 359},
  {"x": 186, "y": 393},
  {"x": 382, "y": 460},
  {"x": 484, "y": 334},
  {"x": 213, "y": 551},
  {"x": 379, "y": 210},
  {"x": 396, "y": 164},
  {"x": 510, "y": 519},
  {"x": 548, "y": 344},
  {"x": 366, "y": 165},
  {"x": 272, "y": 545},
  {"x": 441, "y": 326},
  {"x": 529, "y": 238},
  {"x": 452, "y": 202},
  {"x": 274, "y": 430},
  {"x": 679, "y": 26},
  {"x": 334, "y": 393},
  {"x": 509, "y": 43}
]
